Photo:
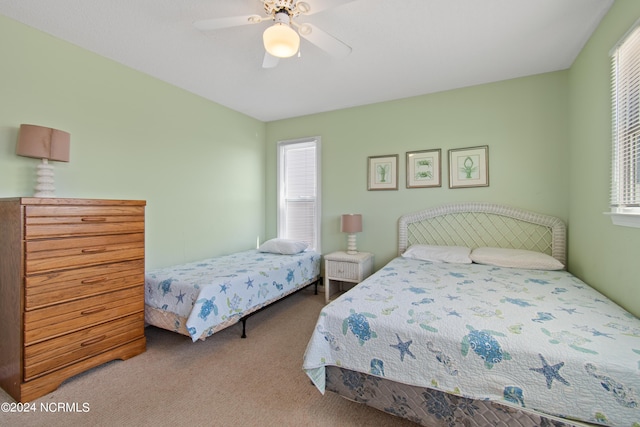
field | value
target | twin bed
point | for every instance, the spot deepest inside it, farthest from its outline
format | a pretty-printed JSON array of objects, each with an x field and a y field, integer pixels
[
  {"x": 200, "y": 298},
  {"x": 508, "y": 339}
]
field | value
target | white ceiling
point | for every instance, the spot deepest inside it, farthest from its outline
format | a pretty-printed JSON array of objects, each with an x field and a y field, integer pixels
[{"x": 401, "y": 48}]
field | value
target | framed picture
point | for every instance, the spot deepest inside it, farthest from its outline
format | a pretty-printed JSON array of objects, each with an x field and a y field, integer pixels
[
  {"x": 469, "y": 167},
  {"x": 423, "y": 169},
  {"x": 382, "y": 172}
]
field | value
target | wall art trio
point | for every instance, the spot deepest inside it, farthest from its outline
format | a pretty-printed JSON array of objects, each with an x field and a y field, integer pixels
[{"x": 468, "y": 167}]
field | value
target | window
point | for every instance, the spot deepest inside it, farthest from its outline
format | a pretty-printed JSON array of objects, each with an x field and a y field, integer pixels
[
  {"x": 625, "y": 167},
  {"x": 299, "y": 191}
]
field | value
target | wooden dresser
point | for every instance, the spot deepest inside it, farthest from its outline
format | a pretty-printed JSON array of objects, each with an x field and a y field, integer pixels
[{"x": 71, "y": 289}]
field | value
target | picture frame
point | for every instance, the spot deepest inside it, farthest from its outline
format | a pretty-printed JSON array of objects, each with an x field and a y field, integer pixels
[
  {"x": 382, "y": 172},
  {"x": 469, "y": 167},
  {"x": 424, "y": 168}
]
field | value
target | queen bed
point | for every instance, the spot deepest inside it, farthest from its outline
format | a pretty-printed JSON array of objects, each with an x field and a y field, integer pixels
[
  {"x": 200, "y": 298},
  {"x": 477, "y": 323}
]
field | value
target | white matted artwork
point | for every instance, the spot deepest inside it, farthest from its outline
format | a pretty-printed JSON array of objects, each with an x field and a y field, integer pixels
[
  {"x": 469, "y": 167},
  {"x": 423, "y": 169},
  {"x": 382, "y": 172}
]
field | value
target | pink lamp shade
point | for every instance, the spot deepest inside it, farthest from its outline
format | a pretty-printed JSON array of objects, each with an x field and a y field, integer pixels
[
  {"x": 43, "y": 143},
  {"x": 46, "y": 144},
  {"x": 351, "y": 224}
]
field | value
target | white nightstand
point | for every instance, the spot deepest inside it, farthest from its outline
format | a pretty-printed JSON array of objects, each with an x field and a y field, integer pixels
[{"x": 344, "y": 267}]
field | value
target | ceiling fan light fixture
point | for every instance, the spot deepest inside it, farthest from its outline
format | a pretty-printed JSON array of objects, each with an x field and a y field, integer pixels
[{"x": 281, "y": 41}]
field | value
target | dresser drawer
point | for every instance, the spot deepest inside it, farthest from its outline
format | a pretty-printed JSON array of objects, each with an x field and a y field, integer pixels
[
  {"x": 61, "y": 221},
  {"x": 68, "y": 285},
  {"x": 56, "y": 353},
  {"x": 57, "y": 320},
  {"x": 59, "y": 254},
  {"x": 56, "y": 211}
]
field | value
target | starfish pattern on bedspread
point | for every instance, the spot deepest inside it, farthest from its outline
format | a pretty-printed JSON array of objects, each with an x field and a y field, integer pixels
[
  {"x": 550, "y": 372},
  {"x": 403, "y": 347},
  {"x": 180, "y": 297}
]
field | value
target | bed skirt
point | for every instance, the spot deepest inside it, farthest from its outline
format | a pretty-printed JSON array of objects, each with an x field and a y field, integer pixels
[{"x": 430, "y": 407}]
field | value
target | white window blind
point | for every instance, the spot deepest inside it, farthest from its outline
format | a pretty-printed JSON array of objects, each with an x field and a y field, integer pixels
[
  {"x": 625, "y": 168},
  {"x": 298, "y": 191}
]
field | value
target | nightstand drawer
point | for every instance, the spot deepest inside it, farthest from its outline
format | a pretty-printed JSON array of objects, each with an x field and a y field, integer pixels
[
  {"x": 53, "y": 321},
  {"x": 53, "y": 354},
  {"x": 343, "y": 270},
  {"x": 59, "y": 254},
  {"x": 346, "y": 267},
  {"x": 68, "y": 285}
]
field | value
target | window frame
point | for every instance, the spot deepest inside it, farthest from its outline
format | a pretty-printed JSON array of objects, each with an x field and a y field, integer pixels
[
  {"x": 625, "y": 143},
  {"x": 281, "y": 188}
]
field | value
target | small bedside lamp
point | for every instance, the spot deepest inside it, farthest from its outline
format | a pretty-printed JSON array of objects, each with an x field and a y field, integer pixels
[
  {"x": 46, "y": 144},
  {"x": 351, "y": 224}
]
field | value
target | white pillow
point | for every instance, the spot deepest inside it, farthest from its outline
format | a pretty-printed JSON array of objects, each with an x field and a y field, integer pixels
[
  {"x": 450, "y": 254},
  {"x": 516, "y": 258},
  {"x": 283, "y": 246}
]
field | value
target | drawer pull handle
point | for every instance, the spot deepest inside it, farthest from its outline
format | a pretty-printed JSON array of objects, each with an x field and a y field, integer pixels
[
  {"x": 93, "y": 250},
  {"x": 93, "y": 219},
  {"x": 94, "y": 280},
  {"x": 93, "y": 341},
  {"x": 92, "y": 311}
]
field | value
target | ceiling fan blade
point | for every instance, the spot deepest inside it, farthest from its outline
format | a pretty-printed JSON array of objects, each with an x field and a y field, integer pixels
[
  {"x": 324, "y": 40},
  {"x": 309, "y": 7},
  {"x": 269, "y": 60},
  {"x": 231, "y": 21}
]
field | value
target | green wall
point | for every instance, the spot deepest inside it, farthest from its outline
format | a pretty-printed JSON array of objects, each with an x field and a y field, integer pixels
[
  {"x": 199, "y": 166},
  {"x": 523, "y": 121},
  {"x": 604, "y": 255}
]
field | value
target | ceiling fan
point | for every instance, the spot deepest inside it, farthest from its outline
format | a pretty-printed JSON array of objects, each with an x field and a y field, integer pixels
[{"x": 281, "y": 40}]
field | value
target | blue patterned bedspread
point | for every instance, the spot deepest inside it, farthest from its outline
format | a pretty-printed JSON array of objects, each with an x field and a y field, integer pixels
[
  {"x": 213, "y": 291},
  {"x": 543, "y": 340}
]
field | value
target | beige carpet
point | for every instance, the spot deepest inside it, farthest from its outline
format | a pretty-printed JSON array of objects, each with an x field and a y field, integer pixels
[{"x": 223, "y": 381}]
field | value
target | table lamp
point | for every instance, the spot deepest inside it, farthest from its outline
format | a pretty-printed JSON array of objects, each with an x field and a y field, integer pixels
[
  {"x": 46, "y": 144},
  {"x": 351, "y": 224}
]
